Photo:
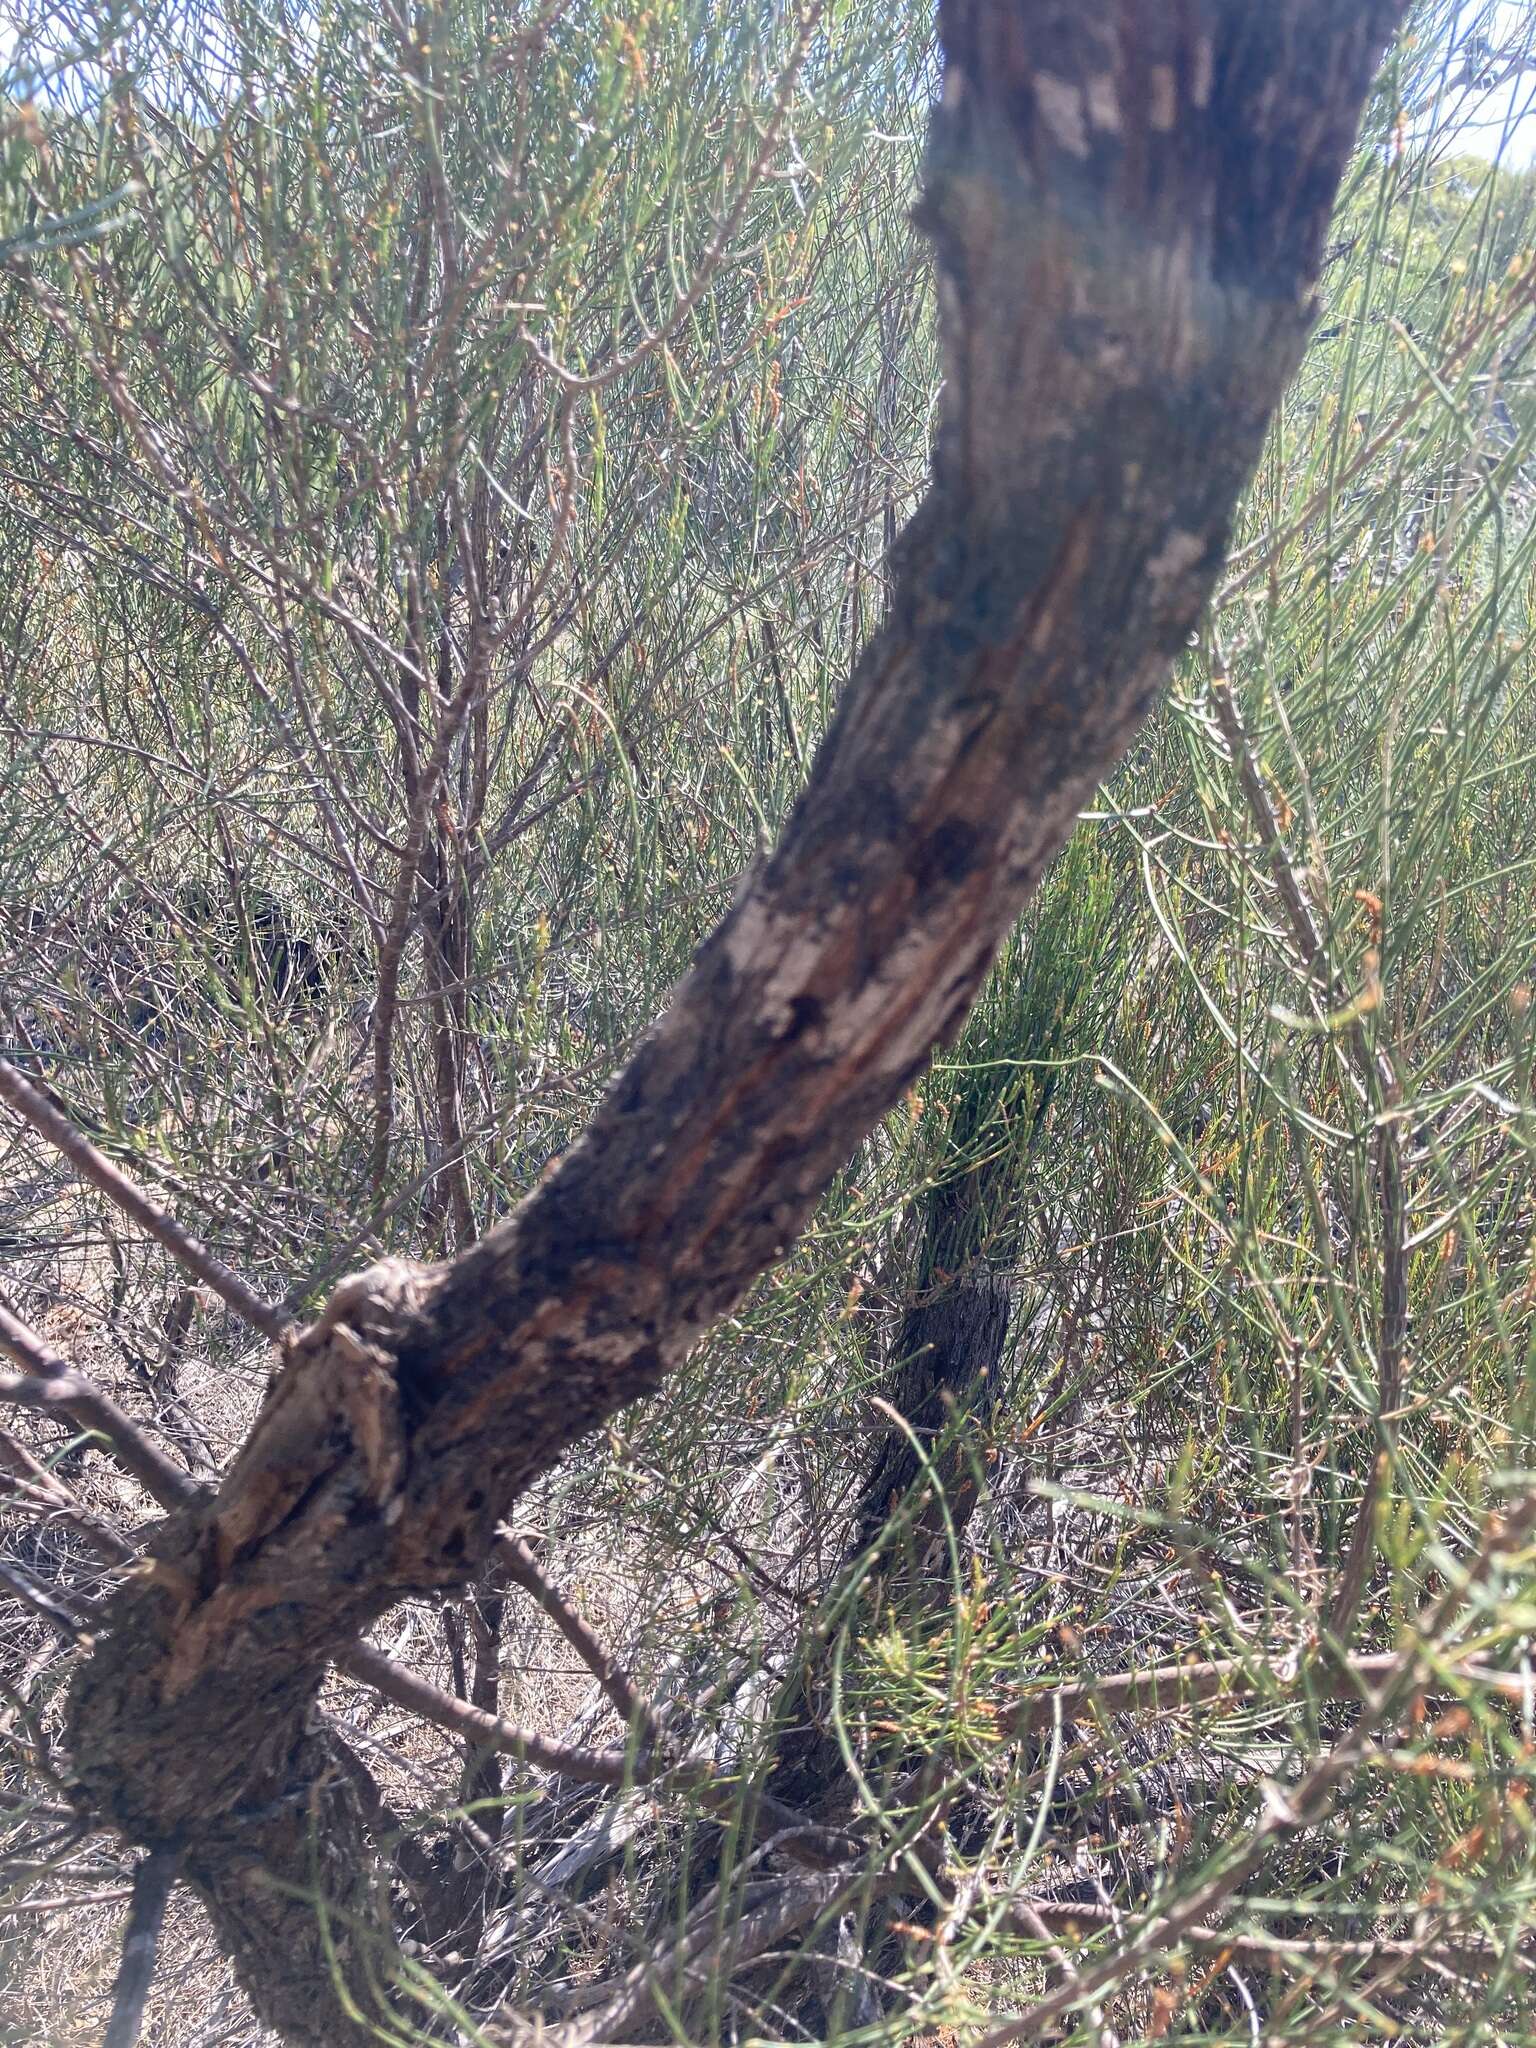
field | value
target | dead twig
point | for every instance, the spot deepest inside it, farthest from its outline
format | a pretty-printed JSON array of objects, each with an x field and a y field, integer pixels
[
  {"x": 49, "y": 1381},
  {"x": 523, "y": 1568},
  {"x": 714, "y": 1943},
  {"x": 52, "y": 1124}
]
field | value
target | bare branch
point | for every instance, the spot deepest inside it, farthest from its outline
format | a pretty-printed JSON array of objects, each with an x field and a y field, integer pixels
[
  {"x": 712, "y": 1945},
  {"x": 72, "y": 1617},
  {"x": 587, "y": 1766},
  {"x": 1284, "y": 1810},
  {"x": 719, "y": 243},
  {"x": 804, "y": 1841},
  {"x": 524, "y": 1569},
  {"x": 1277, "y": 1952},
  {"x": 29, "y": 1102},
  {"x": 35, "y": 1484},
  {"x": 152, "y": 1884},
  {"x": 1178, "y": 1688},
  {"x": 49, "y": 1381}
]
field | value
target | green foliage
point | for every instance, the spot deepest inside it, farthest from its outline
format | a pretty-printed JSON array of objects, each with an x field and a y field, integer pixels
[{"x": 516, "y": 406}]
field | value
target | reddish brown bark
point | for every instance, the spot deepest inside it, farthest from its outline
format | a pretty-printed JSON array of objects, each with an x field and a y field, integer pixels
[{"x": 1127, "y": 205}]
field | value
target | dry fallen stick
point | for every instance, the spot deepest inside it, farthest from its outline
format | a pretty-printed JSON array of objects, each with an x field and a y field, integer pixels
[{"x": 711, "y": 1945}]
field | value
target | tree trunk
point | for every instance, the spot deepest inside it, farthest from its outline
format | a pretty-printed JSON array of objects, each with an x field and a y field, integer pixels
[
  {"x": 1127, "y": 205},
  {"x": 948, "y": 1349}
]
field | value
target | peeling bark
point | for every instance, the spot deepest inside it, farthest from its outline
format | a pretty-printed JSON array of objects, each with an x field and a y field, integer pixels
[{"x": 1127, "y": 205}]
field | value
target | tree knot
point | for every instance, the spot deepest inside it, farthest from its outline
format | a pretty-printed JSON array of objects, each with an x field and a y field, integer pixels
[{"x": 376, "y": 1306}]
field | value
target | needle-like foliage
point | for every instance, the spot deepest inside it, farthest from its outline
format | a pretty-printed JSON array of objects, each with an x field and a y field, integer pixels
[{"x": 450, "y": 458}]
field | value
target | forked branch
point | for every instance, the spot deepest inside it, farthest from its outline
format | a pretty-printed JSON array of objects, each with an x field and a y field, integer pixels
[{"x": 1128, "y": 207}]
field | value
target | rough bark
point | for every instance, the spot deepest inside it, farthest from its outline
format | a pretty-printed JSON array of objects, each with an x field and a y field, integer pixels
[
  {"x": 1127, "y": 205},
  {"x": 948, "y": 1349}
]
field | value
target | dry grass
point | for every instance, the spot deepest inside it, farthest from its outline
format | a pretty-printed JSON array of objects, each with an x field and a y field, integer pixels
[{"x": 92, "y": 1291}]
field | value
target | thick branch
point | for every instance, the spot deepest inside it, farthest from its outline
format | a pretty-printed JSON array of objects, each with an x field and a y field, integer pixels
[{"x": 1128, "y": 206}]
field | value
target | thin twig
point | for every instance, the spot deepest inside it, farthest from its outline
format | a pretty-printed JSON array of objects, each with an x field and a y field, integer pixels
[
  {"x": 1285, "y": 1810},
  {"x": 1245, "y": 564},
  {"x": 66, "y": 1902},
  {"x": 1168, "y": 1688},
  {"x": 1263, "y": 1951},
  {"x": 52, "y": 1124},
  {"x": 524, "y": 1569},
  {"x": 1349, "y": 1590},
  {"x": 1282, "y": 1815},
  {"x": 1305, "y": 935},
  {"x": 1380, "y": 1076},
  {"x": 717, "y": 247},
  {"x": 804, "y": 1841},
  {"x": 65, "y": 1612},
  {"x": 32, "y": 1482},
  {"x": 712, "y": 1945},
  {"x": 49, "y": 1381},
  {"x": 373, "y": 1668}
]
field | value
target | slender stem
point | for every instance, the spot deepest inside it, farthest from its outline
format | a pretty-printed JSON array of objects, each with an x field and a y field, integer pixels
[
  {"x": 524, "y": 1569},
  {"x": 48, "y": 1381},
  {"x": 51, "y": 1123},
  {"x": 152, "y": 1884},
  {"x": 1170, "y": 1688},
  {"x": 373, "y": 1668},
  {"x": 32, "y": 1482}
]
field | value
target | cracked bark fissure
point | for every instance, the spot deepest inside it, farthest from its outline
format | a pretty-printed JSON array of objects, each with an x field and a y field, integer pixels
[{"x": 1127, "y": 206}]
